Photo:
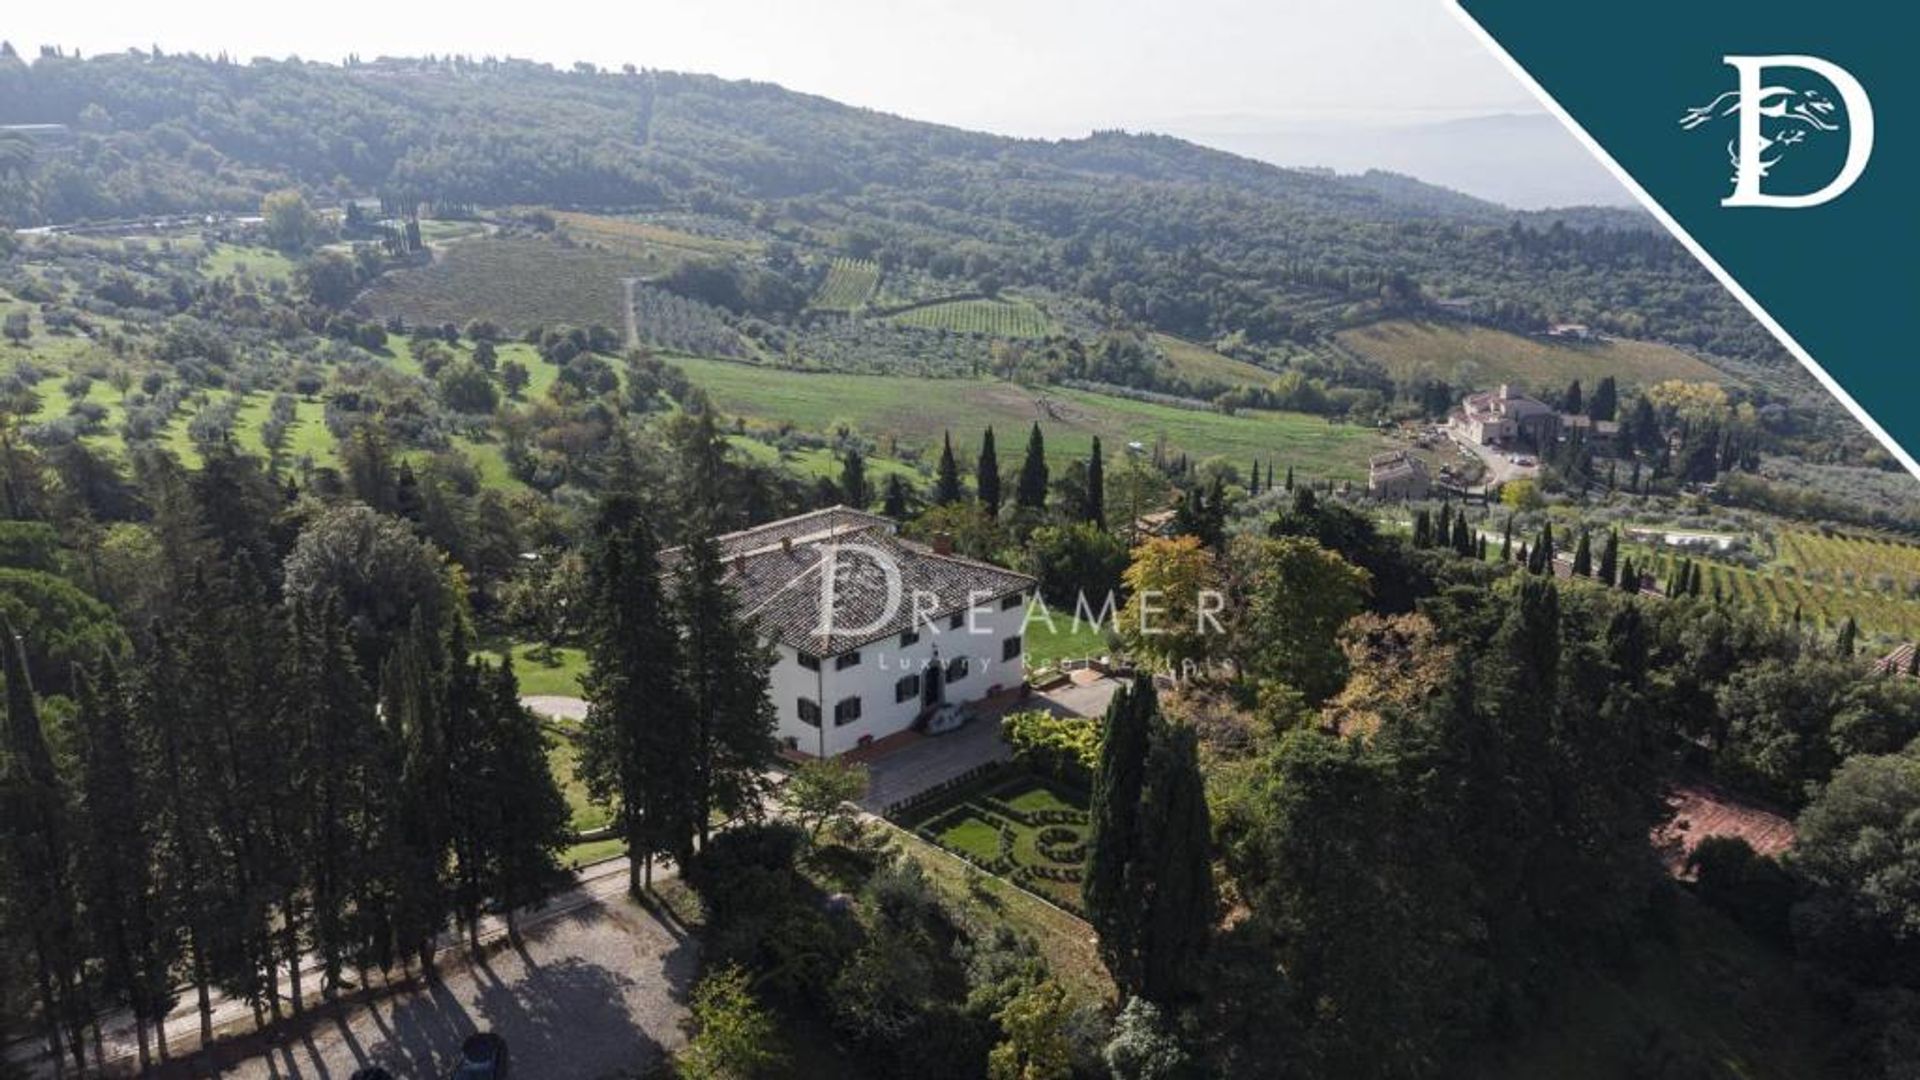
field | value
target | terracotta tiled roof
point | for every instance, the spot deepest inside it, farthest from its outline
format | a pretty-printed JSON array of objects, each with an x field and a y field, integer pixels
[{"x": 1899, "y": 661}]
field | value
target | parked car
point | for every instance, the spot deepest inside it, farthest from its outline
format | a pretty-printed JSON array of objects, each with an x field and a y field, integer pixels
[
  {"x": 946, "y": 718},
  {"x": 482, "y": 1057}
]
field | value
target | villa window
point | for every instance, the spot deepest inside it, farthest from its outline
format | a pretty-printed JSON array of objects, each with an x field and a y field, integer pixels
[
  {"x": 846, "y": 712},
  {"x": 808, "y": 661},
  {"x": 846, "y": 660},
  {"x": 1010, "y": 602},
  {"x": 958, "y": 620},
  {"x": 956, "y": 669},
  {"x": 809, "y": 712},
  {"x": 907, "y": 688},
  {"x": 1010, "y": 648},
  {"x": 909, "y": 637}
]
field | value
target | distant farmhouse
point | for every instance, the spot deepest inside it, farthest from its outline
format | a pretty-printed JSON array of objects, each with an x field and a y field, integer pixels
[
  {"x": 1504, "y": 417},
  {"x": 871, "y": 631},
  {"x": 1396, "y": 475}
]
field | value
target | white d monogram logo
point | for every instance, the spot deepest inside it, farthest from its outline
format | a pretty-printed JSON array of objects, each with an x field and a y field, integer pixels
[{"x": 1771, "y": 120}]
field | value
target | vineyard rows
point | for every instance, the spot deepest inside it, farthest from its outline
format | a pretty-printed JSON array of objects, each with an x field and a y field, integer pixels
[
  {"x": 850, "y": 284},
  {"x": 992, "y": 317},
  {"x": 1882, "y": 604}
]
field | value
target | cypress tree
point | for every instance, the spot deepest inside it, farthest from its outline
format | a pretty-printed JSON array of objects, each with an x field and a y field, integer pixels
[
  {"x": 1506, "y": 541},
  {"x": 894, "y": 502},
  {"x": 118, "y": 893},
  {"x": 1422, "y": 529},
  {"x": 1583, "y": 556},
  {"x": 1177, "y": 869},
  {"x": 412, "y": 696},
  {"x": 1575, "y": 401},
  {"x": 729, "y": 718},
  {"x": 1031, "y": 493},
  {"x": 628, "y": 740},
  {"x": 1610, "y": 558},
  {"x": 986, "y": 475},
  {"x": 1253, "y": 484},
  {"x": 854, "y": 488},
  {"x": 35, "y": 827},
  {"x": 1463, "y": 538},
  {"x": 1113, "y": 903},
  {"x": 946, "y": 488},
  {"x": 1843, "y": 643},
  {"x": 528, "y": 821},
  {"x": 1096, "y": 508},
  {"x": 1481, "y": 549},
  {"x": 1629, "y": 580},
  {"x": 1289, "y": 478}
]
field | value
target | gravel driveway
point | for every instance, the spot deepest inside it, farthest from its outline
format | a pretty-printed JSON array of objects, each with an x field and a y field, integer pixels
[{"x": 598, "y": 992}]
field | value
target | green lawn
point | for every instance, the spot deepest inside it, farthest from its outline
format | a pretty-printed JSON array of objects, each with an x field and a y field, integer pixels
[
  {"x": 538, "y": 677},
  {"x": 918, "y": 410},
  {"x": 1065, "y": 641},
  {"x": 563, "y": 759}
]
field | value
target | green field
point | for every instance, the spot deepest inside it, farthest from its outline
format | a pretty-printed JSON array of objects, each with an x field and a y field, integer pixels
[
  {"x": 850, "y": 284},
  {"x": 1479, "y": 357},
  {"x": 1197, "y": 363},
  {"x": 224, "y": 260},
  {"x": 917, "y": 411},
  {"x": 994, "y": 316},
  {"x": 517, "y": 282}
]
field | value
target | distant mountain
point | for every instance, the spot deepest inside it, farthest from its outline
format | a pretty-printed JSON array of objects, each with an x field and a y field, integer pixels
[{"x": 1527, "y": 161}]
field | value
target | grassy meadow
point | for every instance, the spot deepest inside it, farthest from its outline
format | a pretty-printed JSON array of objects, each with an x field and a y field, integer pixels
[
  {"x": 917, "y": 411},
  {"x": 517, "y": 282},
  {"x": 1467, "y": 355}
]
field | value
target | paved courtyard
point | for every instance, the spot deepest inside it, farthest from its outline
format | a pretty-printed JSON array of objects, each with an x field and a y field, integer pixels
[{"x": 921, "y": 762}]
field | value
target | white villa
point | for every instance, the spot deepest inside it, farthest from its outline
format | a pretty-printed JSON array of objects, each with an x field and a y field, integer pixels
[
  {"x": 870, "y": 630},
  {"x": 1503, "y": 416}
]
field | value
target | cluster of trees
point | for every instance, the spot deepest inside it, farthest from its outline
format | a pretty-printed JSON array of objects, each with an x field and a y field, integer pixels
[{"x": 292, "y": 755}]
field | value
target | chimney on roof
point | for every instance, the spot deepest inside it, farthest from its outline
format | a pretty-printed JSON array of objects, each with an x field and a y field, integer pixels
[
  {"x": 786, "y": 544},
  {"x": 740, "y": 565},
  {"x": 1506, "y": 391},
  {"x": 943, "y": 543}
]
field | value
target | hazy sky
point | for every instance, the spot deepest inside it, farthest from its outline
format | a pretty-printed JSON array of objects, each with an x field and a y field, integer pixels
[{"x": 1044, "y": 68}]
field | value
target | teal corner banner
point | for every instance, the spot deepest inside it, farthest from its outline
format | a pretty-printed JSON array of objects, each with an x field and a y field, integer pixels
[{"x": 1777, "y": 141}]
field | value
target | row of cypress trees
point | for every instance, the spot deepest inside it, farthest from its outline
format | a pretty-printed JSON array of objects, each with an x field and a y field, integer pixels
[{"x": 239, "y": 798}]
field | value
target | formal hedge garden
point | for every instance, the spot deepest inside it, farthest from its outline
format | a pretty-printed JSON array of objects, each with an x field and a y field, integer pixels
[{"x": 1027, "y": 828}]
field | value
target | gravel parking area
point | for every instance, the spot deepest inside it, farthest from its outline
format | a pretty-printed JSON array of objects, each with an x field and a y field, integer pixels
[{"x": 597, "y": 993}]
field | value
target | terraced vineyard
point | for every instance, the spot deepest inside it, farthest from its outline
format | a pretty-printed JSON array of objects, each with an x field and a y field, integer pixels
[
  {"x": 1828, "y": 579},
  {"x": 992, "y": 316},
  {"x": 850, "y": 284}
]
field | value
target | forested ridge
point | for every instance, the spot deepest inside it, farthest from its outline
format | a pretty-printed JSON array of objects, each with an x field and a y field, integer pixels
[{"x": 1193, "y": 241}]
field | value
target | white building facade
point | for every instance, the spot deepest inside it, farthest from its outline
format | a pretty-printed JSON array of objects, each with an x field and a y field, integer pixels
[{"x": 870, "y": 631}]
